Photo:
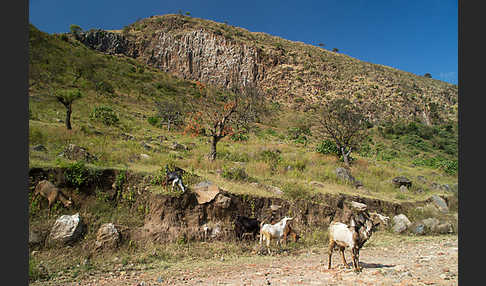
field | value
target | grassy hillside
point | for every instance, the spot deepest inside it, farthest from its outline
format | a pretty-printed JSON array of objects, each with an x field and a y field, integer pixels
[{"x": 278, "y": 152}]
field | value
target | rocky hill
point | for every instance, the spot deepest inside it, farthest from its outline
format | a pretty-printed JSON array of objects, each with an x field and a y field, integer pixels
[{"x": 293, "y": 73}]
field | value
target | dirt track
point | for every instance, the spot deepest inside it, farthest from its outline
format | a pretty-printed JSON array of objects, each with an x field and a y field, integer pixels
[{"x": 431, "y": 261}]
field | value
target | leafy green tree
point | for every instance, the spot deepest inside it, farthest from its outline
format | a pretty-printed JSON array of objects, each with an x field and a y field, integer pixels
[
  {"x": 428, "y": 75},
  {"x": 344, "y": 124},
  {"x": 76, "y": 30},
  {"x": 67, "y": 97}
]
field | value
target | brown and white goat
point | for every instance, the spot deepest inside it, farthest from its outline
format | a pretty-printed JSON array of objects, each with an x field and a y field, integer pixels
[
  {"x": 351, "y": 236},
  {"x": 269, "y": 232},
  {"x": 47, "y": 190},
  {"x": 290, "y": 232}
]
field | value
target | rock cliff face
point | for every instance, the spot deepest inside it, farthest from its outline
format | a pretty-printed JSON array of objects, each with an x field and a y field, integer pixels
[
  {"x": 107, "y": 42},
  {"x": 293, "y": 73},
  {"x": 200, "y": 55}
]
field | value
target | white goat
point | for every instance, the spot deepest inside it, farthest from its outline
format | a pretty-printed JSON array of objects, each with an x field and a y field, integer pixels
[
  {"x": 273, "y": 231},
  {"x": 348, "y": 236}
]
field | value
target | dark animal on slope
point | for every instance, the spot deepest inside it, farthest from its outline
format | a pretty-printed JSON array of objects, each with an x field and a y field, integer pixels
[
  {"x": 245, "y": 226},
  {"x": 174, "y": 177},
  {"x": 47, "y": 190}
]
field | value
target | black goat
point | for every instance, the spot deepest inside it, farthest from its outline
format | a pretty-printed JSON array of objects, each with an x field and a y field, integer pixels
[
  {"x": 175, "y": 177},
  {"x": 246, "y": 226}
]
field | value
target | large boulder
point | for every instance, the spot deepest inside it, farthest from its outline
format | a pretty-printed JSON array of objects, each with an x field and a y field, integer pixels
[
  {"x": 357, "y": 206},
  {"x": 403, "y": 189},
  {"x": 223, "y": 201},
  {"x": 66, "y": 230},
  {"x": 40, "y": 148},
  {"x": 417, "y": 228},
  {"x": 400, "y": 223},
  {"x": 431, "y": 224},
  {"x": 445, "y": 228},
  {"x": 402, "y": 181},
  {"x": 107, "y": 237},
  {"x": 205, "y": 191},
  {"x": 440, "y": 203}
]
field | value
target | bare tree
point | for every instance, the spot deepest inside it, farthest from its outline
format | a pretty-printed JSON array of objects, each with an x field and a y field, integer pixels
[
  {"x": 218, "y": 114},
  {"x": 344, "y": 124}
]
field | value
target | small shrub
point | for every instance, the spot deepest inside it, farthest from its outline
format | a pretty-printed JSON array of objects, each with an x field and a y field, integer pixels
[
  {"x": 449, "y": 166},
  {"x": 76, "y": 174},
  {"x": 295, "y": 192},
  {"x": 239, "y": 137},
  {"x": 120, "y": 180},
  {"x": 270, "y": 156},
  {"x": 328, "y": 147},
  {"x": 415, "y": 141},
  {"x": 105, "y": 87},
  {"x": 35, "y": 272},
  {"x": 154, "y": 120},
  {"x": 386, "y": 155},
  {"x": 234, "y": 157},
  {"x": 298, "y": 134},
  {"x": 235, "y": 174},
  {"x": 299, "y": 165},
  {"x": 128, "y": 196},
  {"x": 104, "y": 114}
]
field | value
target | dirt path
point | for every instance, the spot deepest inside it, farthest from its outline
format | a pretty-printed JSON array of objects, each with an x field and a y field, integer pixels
[{"x": 424, "y": 262}]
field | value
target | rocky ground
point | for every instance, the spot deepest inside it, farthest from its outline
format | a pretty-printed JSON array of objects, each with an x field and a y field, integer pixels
[{"x": 409, "y": 261}]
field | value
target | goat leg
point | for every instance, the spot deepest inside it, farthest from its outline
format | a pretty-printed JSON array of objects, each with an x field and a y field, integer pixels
[
  {"x": 49, "y": 211},
  {"x": 344, "y": 258},
  {"x": 181, "y": 185},
  {"x": 330, "y": 249},
  {"x": 355, "y": 259},
  {"x": 173, "y": 183}
]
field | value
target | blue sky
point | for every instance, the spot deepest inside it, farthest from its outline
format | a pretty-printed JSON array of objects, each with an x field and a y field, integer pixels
[{"x": 415, "y": 36}]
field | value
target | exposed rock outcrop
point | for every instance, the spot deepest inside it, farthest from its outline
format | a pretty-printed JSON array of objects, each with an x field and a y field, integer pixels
[{"x": 108, "y": 42}]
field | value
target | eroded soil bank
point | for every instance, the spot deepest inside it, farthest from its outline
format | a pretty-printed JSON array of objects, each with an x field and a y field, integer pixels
[{"x": 171, "y": 218}]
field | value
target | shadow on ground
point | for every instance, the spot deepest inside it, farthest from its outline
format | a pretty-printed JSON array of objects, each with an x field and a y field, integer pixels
[{"x": 374, "y": 265}]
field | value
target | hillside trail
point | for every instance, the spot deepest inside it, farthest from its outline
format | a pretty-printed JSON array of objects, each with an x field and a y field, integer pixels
[{"x": 422, "y": 262}]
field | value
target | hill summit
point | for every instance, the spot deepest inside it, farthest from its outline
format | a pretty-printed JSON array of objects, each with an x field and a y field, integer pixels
[{"x": 295, "y": 74}]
